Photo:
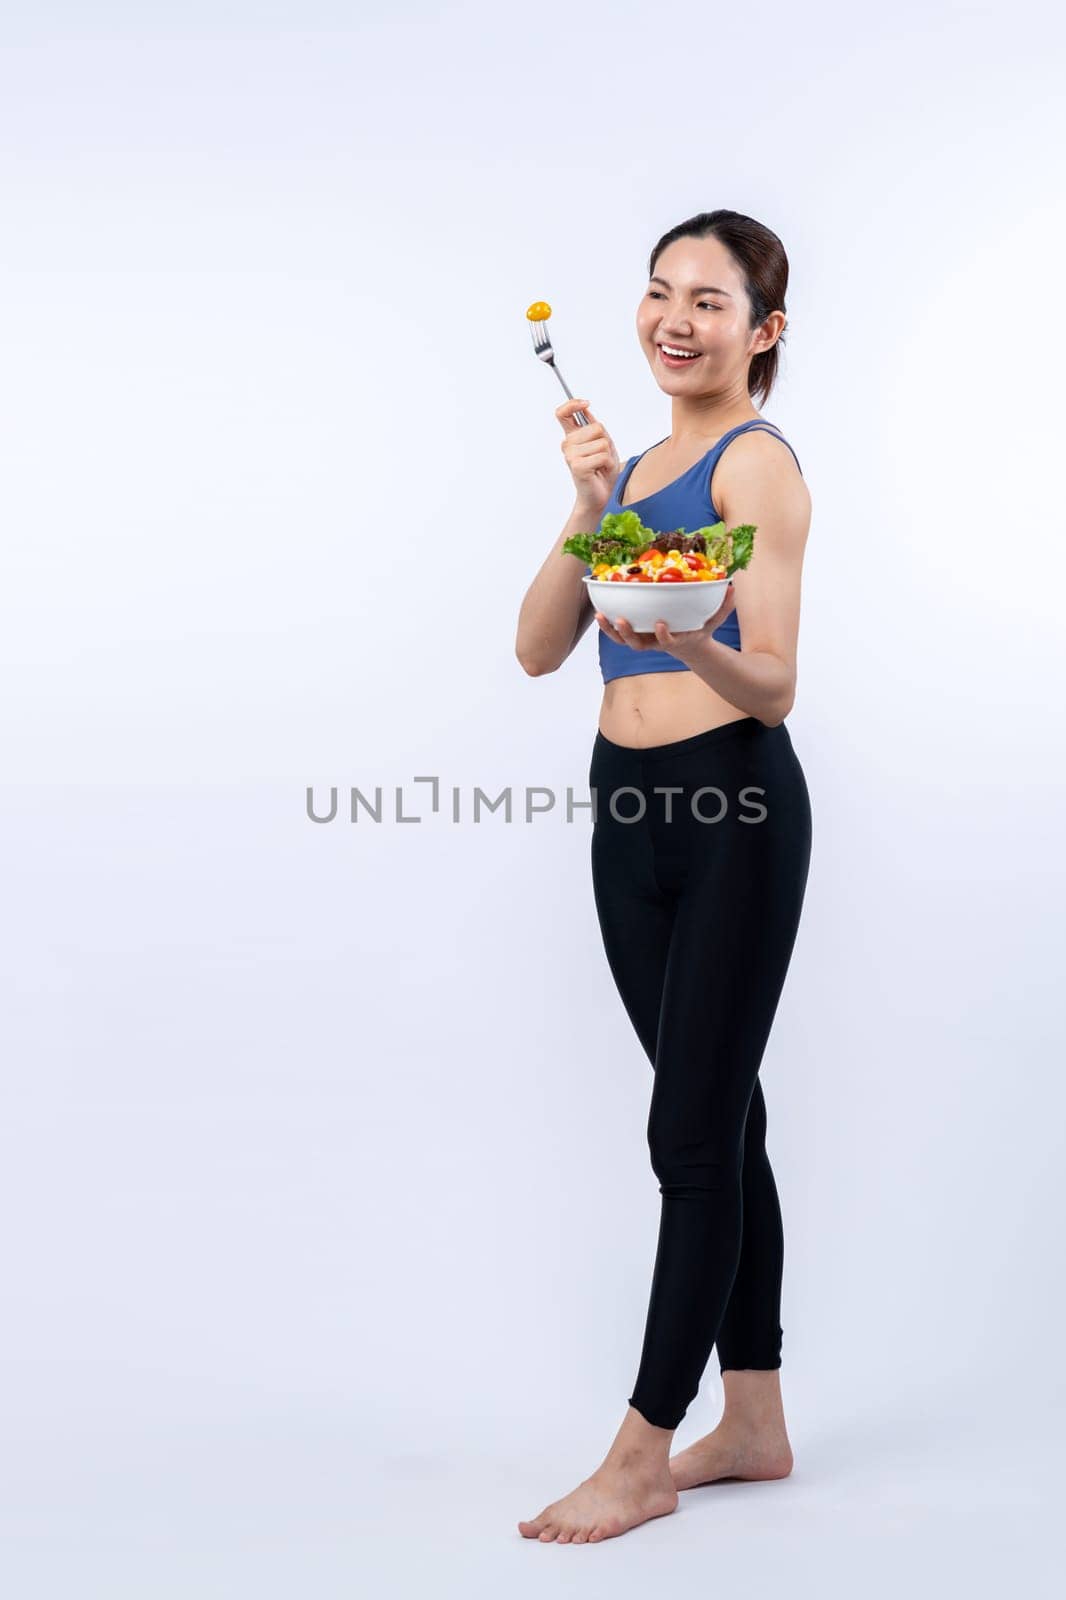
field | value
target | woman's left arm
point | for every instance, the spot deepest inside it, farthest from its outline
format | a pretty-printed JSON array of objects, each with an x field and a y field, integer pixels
[{"x": 762, "y": 486}]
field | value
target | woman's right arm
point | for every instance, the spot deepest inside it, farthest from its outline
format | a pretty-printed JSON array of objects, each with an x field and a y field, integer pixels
[{"x": 557, "y": 609}]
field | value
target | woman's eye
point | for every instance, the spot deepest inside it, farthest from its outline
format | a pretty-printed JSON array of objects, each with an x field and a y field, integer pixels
[{"x": 655, "y": 294}]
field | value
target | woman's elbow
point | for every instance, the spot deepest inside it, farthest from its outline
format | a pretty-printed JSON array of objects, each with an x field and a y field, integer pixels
[
  {"x": 781, "y": 704},
  {"x": 534, "y": 666}
]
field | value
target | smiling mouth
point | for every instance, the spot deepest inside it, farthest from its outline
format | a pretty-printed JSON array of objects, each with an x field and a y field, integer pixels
[{"x": 676, "y": 362}]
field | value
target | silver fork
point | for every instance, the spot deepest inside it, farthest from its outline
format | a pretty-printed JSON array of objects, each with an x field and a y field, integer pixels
[{"x": 543, "y": 347}]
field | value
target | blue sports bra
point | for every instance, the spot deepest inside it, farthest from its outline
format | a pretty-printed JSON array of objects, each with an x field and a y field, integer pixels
[{"x": 685, "y": 503}]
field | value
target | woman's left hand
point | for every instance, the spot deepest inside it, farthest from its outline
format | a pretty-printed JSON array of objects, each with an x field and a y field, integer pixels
[{"x": 684, "y": 646}]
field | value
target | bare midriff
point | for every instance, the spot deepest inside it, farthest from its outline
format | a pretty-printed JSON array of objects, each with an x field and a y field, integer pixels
[{"x": 658, "y": 707}]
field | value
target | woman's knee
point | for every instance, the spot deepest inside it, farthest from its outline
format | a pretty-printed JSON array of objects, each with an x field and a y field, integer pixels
[{"x": 688, "y": 1166}]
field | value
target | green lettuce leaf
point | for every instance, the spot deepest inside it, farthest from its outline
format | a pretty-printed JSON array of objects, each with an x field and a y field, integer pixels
[
  {"x": 733, "y": 549},
  {"x": 621, "y": 534}
]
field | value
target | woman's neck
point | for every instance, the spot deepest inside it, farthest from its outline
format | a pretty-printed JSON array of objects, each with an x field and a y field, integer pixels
[{"x": 708, "y": 416}]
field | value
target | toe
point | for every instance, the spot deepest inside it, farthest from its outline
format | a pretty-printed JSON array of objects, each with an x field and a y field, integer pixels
[
  {"x": 534, "y": 1526},
  {"x": 548, "y": 1533}
]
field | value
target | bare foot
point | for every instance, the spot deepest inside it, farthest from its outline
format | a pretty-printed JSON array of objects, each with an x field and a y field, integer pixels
[
  {"x": 734, "y": 1450},
  {"x": 616, "y": 1498}
]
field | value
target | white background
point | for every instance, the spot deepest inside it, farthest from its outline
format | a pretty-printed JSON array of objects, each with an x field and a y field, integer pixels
[{"x": 328, "y": 1222}]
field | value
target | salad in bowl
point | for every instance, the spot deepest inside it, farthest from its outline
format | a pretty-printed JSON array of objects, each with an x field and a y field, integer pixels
[{"x": 678, "y": 578}]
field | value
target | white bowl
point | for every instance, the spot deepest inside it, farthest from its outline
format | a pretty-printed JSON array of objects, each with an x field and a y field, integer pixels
[{"x": 682, "y": 606}]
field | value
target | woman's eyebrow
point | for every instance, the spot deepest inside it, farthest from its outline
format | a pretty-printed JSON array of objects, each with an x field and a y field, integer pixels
[{"x": 708, "y": 288}]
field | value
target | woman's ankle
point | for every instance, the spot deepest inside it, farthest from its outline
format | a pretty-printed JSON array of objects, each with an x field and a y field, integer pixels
[{"x": 753, "y": 1397}]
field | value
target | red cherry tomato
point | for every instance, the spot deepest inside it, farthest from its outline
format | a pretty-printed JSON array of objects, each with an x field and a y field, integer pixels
[
  {"x": 671, "y": 575},
  {"x": 692, "y": 562}
]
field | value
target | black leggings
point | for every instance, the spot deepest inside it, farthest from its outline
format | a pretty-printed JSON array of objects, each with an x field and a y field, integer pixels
[{"x": 699, "y": 918}]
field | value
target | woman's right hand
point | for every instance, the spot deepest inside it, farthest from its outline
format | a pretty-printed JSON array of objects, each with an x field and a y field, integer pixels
[{"x": 591, "y": 457}]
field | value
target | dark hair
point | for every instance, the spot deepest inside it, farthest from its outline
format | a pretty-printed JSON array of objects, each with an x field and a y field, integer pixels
[{"x": 761, "y": 257}]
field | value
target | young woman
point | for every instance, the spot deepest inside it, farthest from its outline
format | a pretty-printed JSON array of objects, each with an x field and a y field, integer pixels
[{"x": 701, "y": 843}]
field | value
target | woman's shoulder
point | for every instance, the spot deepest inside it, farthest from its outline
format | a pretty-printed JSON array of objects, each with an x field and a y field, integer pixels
[
  {"x": 763, "y": 444},
  {"x": 759, "y": 460}
]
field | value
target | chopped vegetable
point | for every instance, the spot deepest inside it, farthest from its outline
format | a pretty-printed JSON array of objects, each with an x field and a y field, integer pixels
[{"x": 624, "y": 548}]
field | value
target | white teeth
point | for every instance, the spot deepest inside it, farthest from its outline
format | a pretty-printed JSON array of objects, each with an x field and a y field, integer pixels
[{"x": 670, "y": 351}]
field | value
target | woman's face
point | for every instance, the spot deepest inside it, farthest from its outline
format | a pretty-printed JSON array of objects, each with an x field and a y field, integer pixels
[{"x": 696, "y": 301}]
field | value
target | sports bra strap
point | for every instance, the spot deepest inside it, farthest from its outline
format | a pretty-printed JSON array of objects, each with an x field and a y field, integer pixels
[{"x": 744, "y": 427}]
